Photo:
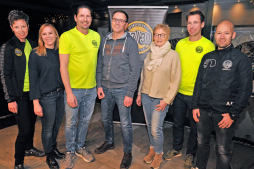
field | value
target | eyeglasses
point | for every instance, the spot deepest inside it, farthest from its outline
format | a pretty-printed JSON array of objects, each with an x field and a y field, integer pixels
[
  {"x": 193, "y": 23},
  {"x": 120, "y": 20},
  {"x": 162, "y": 35}
]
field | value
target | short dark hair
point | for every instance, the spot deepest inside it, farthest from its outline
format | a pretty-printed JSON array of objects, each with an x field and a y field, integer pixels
[
  {"x": 197, "y": 12},
  {"x": 121, "y": 11},
  {"x": 83, "y": 6},
  {"x": 16, "y": 15}
]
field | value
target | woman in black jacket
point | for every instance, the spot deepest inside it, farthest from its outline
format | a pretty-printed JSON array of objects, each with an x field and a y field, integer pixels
[
  {"x": 14, "y": 76},
  {"x": 46, "y": 90}
]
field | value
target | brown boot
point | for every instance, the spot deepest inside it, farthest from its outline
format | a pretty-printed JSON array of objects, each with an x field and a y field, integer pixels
[
  {"x": 157, "y": 161},
  {"x": 149, "y": 158}
]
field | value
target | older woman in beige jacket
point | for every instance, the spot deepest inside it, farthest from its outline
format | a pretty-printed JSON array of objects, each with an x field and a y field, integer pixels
[{"x": 160, "y": 81}]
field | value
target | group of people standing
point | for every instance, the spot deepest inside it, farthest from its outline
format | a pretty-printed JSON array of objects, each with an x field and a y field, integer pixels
[{"x": 64, "y": 75}]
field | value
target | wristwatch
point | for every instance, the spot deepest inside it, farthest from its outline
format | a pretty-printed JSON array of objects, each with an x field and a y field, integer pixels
[{"x": 233, "y": 116}]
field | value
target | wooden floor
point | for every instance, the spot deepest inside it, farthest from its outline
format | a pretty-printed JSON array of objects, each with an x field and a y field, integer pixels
[{"x": 243, "y": 156}]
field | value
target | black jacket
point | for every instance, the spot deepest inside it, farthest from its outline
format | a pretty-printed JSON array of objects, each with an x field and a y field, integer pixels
[
  {"x": 13, "y": 67},
  {"x": 224, "y": 82}
]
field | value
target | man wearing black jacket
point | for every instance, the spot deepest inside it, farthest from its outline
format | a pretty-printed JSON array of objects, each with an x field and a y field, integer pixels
[{"x": 222, "y": 90}]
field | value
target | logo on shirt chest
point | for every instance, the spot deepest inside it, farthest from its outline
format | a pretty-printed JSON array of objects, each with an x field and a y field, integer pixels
[
  {"x": 94, "y": 42},
  {"x": 227, "y": 64},
  {"x": 209, "y": 62},
  {"x": 18, "y": 52},
  {"x": 199, "y": 49}
]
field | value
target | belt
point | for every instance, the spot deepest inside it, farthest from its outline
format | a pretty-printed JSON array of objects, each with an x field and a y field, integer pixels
[{"x": 58, "y": 89}]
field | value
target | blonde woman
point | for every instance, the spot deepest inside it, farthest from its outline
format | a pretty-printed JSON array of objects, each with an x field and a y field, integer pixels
[
  {"x": 46, "y": 90},
  {"x": 160, "y": 80}
]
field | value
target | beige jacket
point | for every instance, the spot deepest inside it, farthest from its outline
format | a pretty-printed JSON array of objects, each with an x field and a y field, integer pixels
[{"x": 165, "y": 81}]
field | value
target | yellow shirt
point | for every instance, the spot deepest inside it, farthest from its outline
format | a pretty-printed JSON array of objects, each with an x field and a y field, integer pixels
[
  {"x": 191, "y": 54},
  {"x": 27, "y": 51},
  {"x": 83, "y": 50}
]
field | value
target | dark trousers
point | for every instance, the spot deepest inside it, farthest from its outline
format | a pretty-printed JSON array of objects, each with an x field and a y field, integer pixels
[
  {"x": 208, "y": 121},
  {"x": 53, "y": 113},
  {"x": 181, "y": 104},
  {"x": 26, "y": 122}
]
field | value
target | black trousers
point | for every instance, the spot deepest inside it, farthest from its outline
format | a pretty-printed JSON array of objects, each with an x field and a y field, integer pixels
[
  {"x": 181, "y": 104},
  {"x": 208, "y": 120},
  {"x": 26, "y": 122}
]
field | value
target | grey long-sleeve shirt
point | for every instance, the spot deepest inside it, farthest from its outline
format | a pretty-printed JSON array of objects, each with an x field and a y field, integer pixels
[{"x": 118, "y": 63}]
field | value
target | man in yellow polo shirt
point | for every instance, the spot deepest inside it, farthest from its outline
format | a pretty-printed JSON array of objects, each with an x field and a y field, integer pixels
[
  {"x": 78, "y": 49},
  {"x": 191, "y": 50}
]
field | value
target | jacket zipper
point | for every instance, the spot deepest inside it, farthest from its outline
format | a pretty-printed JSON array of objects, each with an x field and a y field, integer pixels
[
  {"x": 25, "y": 70},
  {"x": 110, "y": 61}
]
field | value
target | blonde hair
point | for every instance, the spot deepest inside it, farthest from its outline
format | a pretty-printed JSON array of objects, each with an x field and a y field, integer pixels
[
  {"x": 164, "y": 27},
  {"x": 41, "y": 49}
]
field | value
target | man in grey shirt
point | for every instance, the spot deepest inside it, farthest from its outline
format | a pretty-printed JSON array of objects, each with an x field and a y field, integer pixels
[{"x": 117, "y": 75}]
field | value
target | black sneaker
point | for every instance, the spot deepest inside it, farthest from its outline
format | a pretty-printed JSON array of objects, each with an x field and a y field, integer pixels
[
  {"x": 126, "y": 161},
  {"x": 34, "y": 152},
  {"x": 51, "y": 161},
  {"x": 104, "y": 147},
  {"x": 20, "y": 166},
  {"x": 58, "y": 155}
]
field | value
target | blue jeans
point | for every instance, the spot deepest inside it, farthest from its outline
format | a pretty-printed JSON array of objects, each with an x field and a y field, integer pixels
[
  {"x": 53, "y": 113},
  {"x": 112, "y": 96},
  {"x": 154, "y": 121},
  {"x": 208, "y": 121},
  {"x": 181, "y": 104},
  {"x": 76, "y": 137}
]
